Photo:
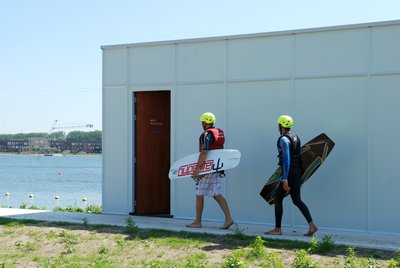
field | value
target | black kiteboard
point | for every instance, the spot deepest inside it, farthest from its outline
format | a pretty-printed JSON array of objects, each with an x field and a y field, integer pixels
[{"x": 312, "y": 155}]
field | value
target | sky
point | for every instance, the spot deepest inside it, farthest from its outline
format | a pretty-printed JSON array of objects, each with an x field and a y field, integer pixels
[{"x": 51, "y": 61}]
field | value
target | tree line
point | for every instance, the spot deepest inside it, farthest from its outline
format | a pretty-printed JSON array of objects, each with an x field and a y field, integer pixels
[{"x": 73, "y": 136}]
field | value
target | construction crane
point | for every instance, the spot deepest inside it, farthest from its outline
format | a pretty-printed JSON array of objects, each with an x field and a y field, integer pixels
[
  {"x": 46, "y": 148},
  {"x": 54, "y": 126}
]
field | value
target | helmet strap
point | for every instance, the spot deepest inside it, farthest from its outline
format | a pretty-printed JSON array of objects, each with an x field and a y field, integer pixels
[
  {"x": 206, "y": 126},
  {"x": 283, "y": 129}
]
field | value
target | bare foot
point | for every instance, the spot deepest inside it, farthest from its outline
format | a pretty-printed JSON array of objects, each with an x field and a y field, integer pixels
[
  {"x": 274, "y": 232},
  {"x": 226, "y": 225},
  {"x": 311, "y": 231},
  {"x": 194, "y": 225}
]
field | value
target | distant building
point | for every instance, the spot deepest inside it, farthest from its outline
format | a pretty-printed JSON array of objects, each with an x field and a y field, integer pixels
[
  {"x": 43, "y": 145},
  {"x": 94, "y": 147},
  {"x": 39, "y": 144},
  {"x": 59, "y": 146},
  {"x": 14, "y": 146},
  {"x": 76, "y": 147}
]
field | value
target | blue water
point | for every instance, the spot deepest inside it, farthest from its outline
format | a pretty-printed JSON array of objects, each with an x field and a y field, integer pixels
[{"x": 72, "y": 178}]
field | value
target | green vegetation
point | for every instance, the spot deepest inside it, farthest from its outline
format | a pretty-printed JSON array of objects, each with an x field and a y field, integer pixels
[
  {"x": 81, "y": 136},
  {"x": 91, "y": 208},
  {"x": 303, "y": 260},
  {"x": 27, "y": 243},
  {"x": 324, "y": 246},
  {"x": 73, "y": 136},
  {"x": 25, "y": 206},
  {"x": 27, "y": 246},
  {"x": 196, "y": 260},
  {"x": 96, "y": 209},
  {"x": 131, "y": 227},
  {"x": 235, "y": 259},
  {"x": 395, "y": 262},
  {"x": 257, "y": 248},
  {"x": 21, "y": 136},
  {"x": 273, "y": 260}
]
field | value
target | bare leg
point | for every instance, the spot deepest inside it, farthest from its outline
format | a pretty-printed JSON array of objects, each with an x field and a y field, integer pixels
[
  {"x": 224, "y": 206},
  {"x": 199, "y": 212}
]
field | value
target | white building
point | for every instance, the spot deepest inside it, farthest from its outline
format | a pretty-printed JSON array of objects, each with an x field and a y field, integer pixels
[{"x": 344, "y": 81}]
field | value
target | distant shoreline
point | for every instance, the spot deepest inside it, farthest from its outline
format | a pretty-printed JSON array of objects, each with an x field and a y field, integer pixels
[{"x": 55, "y": 154}]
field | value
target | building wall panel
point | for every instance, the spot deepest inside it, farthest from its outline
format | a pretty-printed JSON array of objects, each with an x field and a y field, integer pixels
[
  {"x": 115, "y": 151},
  {"x": 385, "y": 49},
  {"x": 154, "y": 64},
  {"x": 204, "y": 61},
  {"x": 338, "y": 107},
  {"x": 114, "y": 67},
  {"x": 384, "y": 126},
  {"x": 332, "y": 52},
  {"x": 257, "y": 58}
]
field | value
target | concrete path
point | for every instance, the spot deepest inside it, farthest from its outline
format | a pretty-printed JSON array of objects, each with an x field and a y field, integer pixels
[{"x": 355, "y": 239}]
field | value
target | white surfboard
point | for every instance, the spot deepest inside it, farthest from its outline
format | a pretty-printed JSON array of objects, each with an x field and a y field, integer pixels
[{"x": 217, "y": 160}]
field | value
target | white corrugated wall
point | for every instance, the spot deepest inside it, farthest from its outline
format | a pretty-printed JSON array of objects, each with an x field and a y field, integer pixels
[{"x": 343, "y": 81}]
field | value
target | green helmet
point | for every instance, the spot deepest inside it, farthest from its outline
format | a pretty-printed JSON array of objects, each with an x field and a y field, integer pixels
[
  {"x": 285, "y": 121},
  {"x": 209, "y": 118}
]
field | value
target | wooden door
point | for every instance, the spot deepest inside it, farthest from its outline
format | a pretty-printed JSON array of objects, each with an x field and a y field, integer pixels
[{"x": 152, "y": 152}]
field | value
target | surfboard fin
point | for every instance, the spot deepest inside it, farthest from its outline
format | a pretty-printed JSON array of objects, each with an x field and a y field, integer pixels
[{"x": 271, "y": 200}]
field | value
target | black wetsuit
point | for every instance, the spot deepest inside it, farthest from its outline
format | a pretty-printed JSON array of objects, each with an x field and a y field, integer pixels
[{"x": 294, "y": 177}]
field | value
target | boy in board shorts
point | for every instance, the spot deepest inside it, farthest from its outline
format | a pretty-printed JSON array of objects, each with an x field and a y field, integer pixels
[{"x": 210, "y": 184}]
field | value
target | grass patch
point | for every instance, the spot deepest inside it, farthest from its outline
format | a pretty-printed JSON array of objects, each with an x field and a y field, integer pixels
[
  {"x": 26, "y": 246},
  {"x": 16, "y": 223},
  {"x": 178, "y": 242},
  {"x": 130, "y": 227},
  {"x": 196, "y": 260},
  {"x": 120, "y": 240},
  {"x": 235, "y": 259},
  {"x": 325, "y": 245},
  {"x": 257, "y": 250},
  {"x": 273, "y": 260},
  {"x": 44, "y": 244},
  {"x": 303, "y": 260},
  {"x": 69, "y": 208},
  {"x": 96, "y": 209}
]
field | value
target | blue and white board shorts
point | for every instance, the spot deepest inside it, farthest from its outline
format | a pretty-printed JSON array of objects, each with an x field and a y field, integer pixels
[{"x": 210, "y": 185}]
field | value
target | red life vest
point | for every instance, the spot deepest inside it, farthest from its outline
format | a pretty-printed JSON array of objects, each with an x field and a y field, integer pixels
[{"x": 219, "y": 138}]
